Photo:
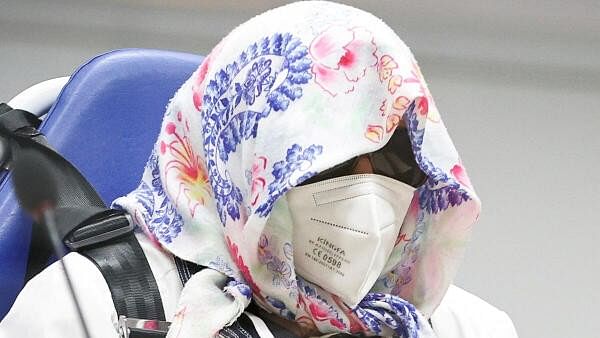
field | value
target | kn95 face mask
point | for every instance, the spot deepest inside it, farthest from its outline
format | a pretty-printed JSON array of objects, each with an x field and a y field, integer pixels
[{"x": 345, "y": 229}]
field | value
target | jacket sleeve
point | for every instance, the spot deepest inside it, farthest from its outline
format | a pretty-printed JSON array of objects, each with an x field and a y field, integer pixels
[
  {"x": 45, "y": 308},
  {"x": 464, "y": 315}
]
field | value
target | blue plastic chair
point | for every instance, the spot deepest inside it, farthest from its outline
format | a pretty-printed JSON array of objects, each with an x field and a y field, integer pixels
[{"x": 105, "y": 121}]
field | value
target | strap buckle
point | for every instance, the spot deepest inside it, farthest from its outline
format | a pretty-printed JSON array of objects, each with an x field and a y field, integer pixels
[
  {"x": 100, "y": 228},
  {"x": 134, "y": 327}
]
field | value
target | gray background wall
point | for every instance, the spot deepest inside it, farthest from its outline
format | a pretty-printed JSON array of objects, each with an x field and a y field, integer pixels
[{"x": 518, "y": 84}]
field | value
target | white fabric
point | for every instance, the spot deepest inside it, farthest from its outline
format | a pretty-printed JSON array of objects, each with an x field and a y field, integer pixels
[
  {"x": 223, "y": 308},
  {"x": 43, "y": 308}
]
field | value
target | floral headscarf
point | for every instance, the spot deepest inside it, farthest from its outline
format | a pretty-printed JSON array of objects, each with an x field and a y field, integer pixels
[{"x": 292, "y": 92}]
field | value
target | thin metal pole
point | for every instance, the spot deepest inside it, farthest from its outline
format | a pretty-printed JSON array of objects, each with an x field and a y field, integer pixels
[{"x": 59, "y": 251}]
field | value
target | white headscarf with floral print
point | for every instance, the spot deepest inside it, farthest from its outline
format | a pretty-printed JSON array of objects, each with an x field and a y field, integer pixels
[{"x": 289, "y": 93}]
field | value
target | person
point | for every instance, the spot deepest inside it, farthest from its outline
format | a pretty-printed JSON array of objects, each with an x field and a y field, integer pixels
[{"x": 306, "y": 167}]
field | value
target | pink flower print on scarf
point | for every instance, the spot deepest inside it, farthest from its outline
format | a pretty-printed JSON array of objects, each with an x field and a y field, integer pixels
[
  {"x": 239, "y": 262},
  {"x": 256, "y": 178},
  {"x": 199, "y": 84},
  {"x": 191, "y": 172},
  {"x": 341, "y": 57},
  {"x": 321, "y": 312},
  {"x": 198, "y": 87},
  {"x": 374, "y": 133},
  {"x": 416, "y": 78},
  {"x": 459, "y": 172}
]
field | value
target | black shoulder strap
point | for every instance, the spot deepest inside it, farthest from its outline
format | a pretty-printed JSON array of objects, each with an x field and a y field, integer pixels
[
  {"x": 186, "y": 269},
  {"x": 86, "y": 225},
  {"x": 109, "y": 242},
  {"x": 16, "y": 119}
]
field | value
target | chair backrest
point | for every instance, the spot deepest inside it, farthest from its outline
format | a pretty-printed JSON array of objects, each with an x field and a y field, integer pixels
[{"x": 105, "y": 121}]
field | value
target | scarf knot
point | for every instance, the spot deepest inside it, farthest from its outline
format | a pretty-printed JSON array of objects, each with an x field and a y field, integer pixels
[{"x": 396, "y": 313}]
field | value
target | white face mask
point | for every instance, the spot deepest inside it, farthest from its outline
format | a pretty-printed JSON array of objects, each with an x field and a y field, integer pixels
[{"x": 345, "y": 229}]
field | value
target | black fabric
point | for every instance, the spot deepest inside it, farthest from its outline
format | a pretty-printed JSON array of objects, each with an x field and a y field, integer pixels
[
  {"x": 16, "y": 124},
  {"x": 76, "y": 200},
  {"x": 40, "y": 251},
  {"x": 4, "y": 108},
  {"x": 242, "y": 328},
  {"x": 186, "y": 269},
  {"x": 19, "y": 122},
  {"x": 129, "y": 278},
  {"x": 395, "y": 160},
  {"x": 15, "y": 119},
  {"x": 141, "y": 333}
]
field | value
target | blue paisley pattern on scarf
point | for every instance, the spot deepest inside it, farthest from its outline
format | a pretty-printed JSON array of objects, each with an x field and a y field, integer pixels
[
  {"x": 280, "y": 269},
  {"x": 283, "y": 171},
  {"x": 441, "y": 191},
  {"x": 268, "y": 74},
  {"x": 281, "y": 308},
  {"x": 160, "y": 215}
]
